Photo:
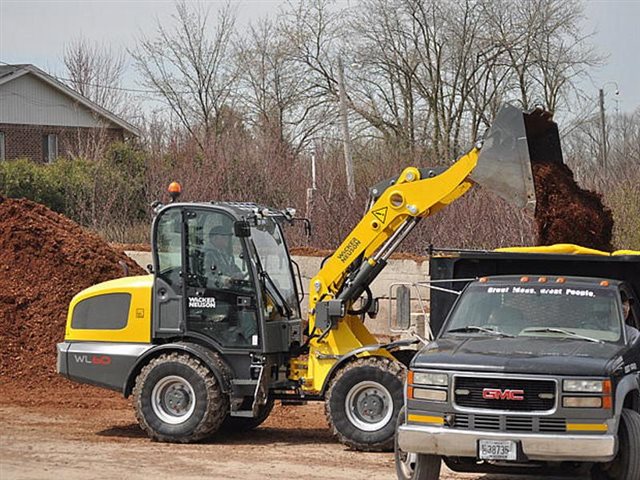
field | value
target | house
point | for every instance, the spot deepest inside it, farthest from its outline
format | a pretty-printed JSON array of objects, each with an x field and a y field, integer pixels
[{"x": 41, "y": 118}]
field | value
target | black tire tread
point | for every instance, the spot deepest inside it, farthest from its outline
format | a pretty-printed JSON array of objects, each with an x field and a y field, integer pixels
[
  {"x": 244, "y": 424},
  {"x": 631, "y": 420},
  {"x": 429, "y": 467},
  {"x": 381, "y": 363},
  {"x": 218, "y": 402}
]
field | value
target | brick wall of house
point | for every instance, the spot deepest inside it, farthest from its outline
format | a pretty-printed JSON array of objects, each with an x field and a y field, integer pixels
[{"x": 26, "y": 141}]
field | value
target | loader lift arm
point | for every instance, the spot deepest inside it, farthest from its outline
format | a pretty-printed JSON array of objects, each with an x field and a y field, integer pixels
[{"x": 414, "y": 195}]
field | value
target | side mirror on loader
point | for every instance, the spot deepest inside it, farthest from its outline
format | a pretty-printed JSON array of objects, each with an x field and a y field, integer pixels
[
  {"x": 241, "y": 228},
  {"x": 403, "y": 307}
]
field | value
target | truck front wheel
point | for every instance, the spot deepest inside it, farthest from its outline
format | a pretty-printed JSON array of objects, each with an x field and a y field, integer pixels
[
  {"x": 178, "y": 399},
  {"x": 415, "y": 466},
  {"x": 363, "y": 402},
  {"x": 626, "y": 465}
]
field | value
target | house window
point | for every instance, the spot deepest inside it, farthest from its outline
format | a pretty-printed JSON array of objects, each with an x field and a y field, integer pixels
[
  {"x": 1, "y": 146},
  {"x": 50, "y": 147}
]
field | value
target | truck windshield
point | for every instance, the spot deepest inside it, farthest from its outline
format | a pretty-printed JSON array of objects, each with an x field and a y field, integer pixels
[
  {"x": 568, "y": 311},
  {"x": 275, "y": 261}
]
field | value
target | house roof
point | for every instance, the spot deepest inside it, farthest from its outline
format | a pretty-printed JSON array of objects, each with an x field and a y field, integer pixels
[{"x": 9, "y": 73}]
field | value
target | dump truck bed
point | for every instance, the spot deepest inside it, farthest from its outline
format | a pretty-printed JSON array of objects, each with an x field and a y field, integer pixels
[{"x": 451, "y": 264}]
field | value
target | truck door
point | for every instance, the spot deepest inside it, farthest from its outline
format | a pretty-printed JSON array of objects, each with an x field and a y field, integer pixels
[{"x": 220, "y": 291}]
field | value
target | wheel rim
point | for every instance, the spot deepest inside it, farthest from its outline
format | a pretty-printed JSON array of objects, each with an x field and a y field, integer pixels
[
  {"x": 173, "y": 400},
  {"x": 407, "y": 463},
  {"x": 369, "y": 406}
]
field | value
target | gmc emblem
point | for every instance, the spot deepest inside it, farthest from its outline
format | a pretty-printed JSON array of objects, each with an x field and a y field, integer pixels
[{"x": 506, "y": 394}]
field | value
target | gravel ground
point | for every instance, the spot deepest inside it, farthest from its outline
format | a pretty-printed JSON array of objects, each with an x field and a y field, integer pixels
[{"x": 79, "y": 433}]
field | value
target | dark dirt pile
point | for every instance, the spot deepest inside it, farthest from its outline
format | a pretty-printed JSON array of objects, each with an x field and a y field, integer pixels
[
  {"x": 565, "y": 213},
  {"x": 45, "y": 259}
]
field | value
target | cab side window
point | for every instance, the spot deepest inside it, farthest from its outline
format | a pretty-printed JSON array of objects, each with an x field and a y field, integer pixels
[
  {"x": 629, "y": 310},
  {"x": 169, "y": 247},
  {"x": 630, "y": 317},
  {"x": 223, "y": 256}
]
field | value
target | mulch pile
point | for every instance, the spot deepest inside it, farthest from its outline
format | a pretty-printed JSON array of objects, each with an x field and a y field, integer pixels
[
  {"x": 565, "y": 213},
  {"x": 45, "y": 259}
]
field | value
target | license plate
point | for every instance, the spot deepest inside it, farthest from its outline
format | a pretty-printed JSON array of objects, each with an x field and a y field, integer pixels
[{"x": 497, "y": 450}]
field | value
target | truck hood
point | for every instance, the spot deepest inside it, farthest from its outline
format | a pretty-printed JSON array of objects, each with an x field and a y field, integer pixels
[{"x": 559, "y": 356}]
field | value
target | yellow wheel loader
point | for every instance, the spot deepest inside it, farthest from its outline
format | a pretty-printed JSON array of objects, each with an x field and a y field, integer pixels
[{"x": 215, "y": 335}]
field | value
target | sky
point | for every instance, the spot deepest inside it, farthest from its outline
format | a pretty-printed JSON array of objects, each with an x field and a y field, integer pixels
[{"x": 36, "y": 32}]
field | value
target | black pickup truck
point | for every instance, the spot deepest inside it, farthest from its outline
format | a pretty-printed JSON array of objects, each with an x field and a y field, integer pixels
[{"x": 534, "y": 368}]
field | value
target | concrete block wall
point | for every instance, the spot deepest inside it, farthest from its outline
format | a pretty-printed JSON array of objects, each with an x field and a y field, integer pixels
[{"x": 397, "y": 271}]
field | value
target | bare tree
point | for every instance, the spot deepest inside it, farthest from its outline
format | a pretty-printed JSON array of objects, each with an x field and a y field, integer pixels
[
  {"x": 95, "y": 71},
  {"x": 191, "y": 68},
  {"x": 545, "y": 49},
  {"x": 277, "y": 98}
]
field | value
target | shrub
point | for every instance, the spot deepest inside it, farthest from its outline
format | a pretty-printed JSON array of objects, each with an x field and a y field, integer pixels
[{"x": 106, "y": 194}]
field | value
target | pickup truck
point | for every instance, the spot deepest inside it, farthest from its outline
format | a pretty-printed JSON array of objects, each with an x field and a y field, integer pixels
[{"x": 528, "y": 373}]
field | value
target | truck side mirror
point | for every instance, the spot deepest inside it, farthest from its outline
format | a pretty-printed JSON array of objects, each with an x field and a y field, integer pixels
[
  {"x": 241, "y": 228},
  {"x": 403, "y": 307}
]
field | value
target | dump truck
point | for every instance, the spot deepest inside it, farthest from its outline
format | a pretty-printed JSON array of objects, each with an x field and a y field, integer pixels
[
  {"x": 215, "y": 334},
  {"x": 534, "y": 368}
]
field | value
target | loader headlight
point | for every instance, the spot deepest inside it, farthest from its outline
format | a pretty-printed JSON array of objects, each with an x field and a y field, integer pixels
[{"x": 429, "y": 378}]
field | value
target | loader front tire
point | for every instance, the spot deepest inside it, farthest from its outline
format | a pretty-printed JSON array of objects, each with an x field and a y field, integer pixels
[
  {"x": 178, "y": 399},
  {"x": 363, "y": 402}
]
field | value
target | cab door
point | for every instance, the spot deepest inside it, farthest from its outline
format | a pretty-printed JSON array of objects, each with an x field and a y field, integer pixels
[
  {"x": 168, "y": 286},
  {"x": 221, "y": 301}
]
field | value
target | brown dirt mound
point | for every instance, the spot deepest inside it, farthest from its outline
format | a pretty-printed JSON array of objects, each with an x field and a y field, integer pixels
[
  {"x": 45, "y": 259},
  {"x": 565, "y": 213},
  {"x": 125, "y": 247}
]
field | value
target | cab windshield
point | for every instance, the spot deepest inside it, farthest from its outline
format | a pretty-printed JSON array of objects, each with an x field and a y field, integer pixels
[
  {"x": 274, "y": 259},
  {"x": 568, "y": 311}
]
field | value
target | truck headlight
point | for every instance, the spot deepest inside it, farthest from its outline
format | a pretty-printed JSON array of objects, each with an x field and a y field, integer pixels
[
  {"x": 582, "y": 402},
  {"x": 429, "y": 378},
  {"x": 430, "y": 394},
  {"x": 583, "y": 386}
]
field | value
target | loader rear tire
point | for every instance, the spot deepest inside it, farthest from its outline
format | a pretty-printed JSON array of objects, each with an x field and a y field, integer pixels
[
  {"x": 178, "y": 399},
  {"x": 363, "y": 402},
  {"x": 244, "y": 424}
]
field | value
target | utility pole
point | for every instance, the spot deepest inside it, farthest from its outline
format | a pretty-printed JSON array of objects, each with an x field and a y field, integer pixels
[
  {"x": 346, "y": 138},
  {"x": 603, "y": 130},
  {"x": 311, "y": 191}
]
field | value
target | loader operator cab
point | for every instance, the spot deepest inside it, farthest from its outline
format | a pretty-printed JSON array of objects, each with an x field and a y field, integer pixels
[{"x": 223, "y": 271}]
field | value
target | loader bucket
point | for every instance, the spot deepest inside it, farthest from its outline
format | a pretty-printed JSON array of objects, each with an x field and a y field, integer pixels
[{"x": 515, "y": 141}]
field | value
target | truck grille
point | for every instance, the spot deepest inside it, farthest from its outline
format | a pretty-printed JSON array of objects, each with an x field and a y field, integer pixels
[
  {"x": 506, "y": 423},
  {"x": 539, "y": 395}
]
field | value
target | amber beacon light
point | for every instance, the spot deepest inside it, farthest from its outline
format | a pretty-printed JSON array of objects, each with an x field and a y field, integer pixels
[{"x": 174, "y": 190}]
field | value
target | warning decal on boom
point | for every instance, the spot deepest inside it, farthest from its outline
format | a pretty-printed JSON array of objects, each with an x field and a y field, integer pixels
[{"x": 380, "y": 214}]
